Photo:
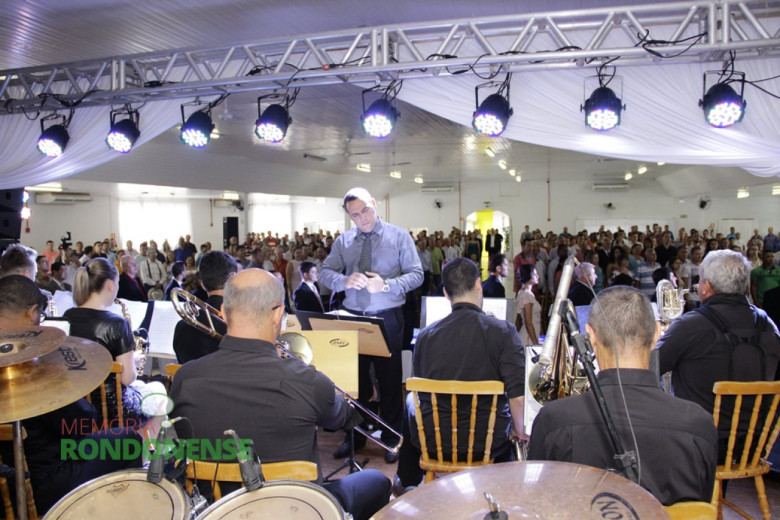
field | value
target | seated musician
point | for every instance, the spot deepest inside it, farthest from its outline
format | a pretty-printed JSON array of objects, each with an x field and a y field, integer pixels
[
  {"x": 676, "y": 441},
  {"x": 467, "y": 345},
  {"x": 52, "y": 475},
  {"x": 275, "y": 402},
  {"x": 188, "y": 342}
]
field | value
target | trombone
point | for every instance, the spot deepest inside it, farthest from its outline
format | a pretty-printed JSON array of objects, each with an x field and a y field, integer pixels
[{"x": 289, "y": 345}]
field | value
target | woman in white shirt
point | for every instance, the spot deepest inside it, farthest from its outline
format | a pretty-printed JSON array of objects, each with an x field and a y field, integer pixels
[{"x": 528, "y": 309}]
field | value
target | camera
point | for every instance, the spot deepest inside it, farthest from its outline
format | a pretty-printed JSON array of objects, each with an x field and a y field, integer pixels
[{"x": 65, "y": 241}]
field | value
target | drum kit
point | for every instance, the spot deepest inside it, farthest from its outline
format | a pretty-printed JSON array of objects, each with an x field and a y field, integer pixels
[{"x": 42, "y": 370}]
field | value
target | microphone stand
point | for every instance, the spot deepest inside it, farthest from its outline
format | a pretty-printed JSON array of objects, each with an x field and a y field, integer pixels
[{"x": 625, "y": 460}]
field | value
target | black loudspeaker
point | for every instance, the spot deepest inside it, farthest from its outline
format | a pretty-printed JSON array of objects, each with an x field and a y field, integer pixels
[
  {"x": 229, "y": 229},
  {"x": 11, "y": 203}
]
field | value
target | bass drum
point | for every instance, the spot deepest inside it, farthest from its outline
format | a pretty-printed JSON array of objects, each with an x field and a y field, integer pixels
[
  {"x": 125, "y": 494},
  {"x": 288, "y": 499}
]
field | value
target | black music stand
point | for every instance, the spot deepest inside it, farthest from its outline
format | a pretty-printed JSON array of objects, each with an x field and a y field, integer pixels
[{"x": 350, "y": 461}]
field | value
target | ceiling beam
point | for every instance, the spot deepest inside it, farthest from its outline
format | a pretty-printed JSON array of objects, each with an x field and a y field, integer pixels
[{"x": 703, "y": 31}]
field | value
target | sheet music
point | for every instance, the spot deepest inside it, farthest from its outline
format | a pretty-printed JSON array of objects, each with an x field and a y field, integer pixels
[
  {"x": 137, "y": 311},
  {"x": 164, "y": 320},
  {"x": 438, "y": 307},
  {"x": 63, "y": 300}
]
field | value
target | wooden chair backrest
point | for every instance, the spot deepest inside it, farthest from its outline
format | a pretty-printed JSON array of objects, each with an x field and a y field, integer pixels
[
  {"x": 7, "y": 435},
  {"x": 117, "y": 370},
  {"x": 230, "y": 472},
  {"x": 692, "y": 511},
  {"x": 454, "y": 389},
  {"x": 171, "y": 369},
  {"x": 760, "y": 437}
]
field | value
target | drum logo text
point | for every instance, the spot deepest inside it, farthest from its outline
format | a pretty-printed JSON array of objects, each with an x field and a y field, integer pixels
[
  {"x": 72, "y": 358},
  {"x": 132, "y": 448},
  {"x": 608, "y": 506}
]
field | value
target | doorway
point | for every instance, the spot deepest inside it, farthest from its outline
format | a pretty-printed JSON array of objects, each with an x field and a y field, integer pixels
[{"x": 482, "y": 221}]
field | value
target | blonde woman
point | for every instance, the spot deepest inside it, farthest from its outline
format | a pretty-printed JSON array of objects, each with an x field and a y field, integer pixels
[{"x": 94, "y": 291}]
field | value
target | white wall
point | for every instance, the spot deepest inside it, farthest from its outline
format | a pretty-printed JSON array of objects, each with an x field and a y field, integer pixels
[{"x": 525, "y": 203}]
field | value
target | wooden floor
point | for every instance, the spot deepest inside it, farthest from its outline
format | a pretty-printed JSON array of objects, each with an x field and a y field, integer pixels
[{"x": 741, "y": 492}]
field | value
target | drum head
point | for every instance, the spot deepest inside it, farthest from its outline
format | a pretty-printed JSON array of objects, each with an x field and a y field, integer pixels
[
  {"x": 124, "y": 494},
  {"x": 287, "y": 499}
]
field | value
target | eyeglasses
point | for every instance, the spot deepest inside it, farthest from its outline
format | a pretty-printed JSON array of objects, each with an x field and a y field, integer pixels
[{"x": 41, "y": 308}]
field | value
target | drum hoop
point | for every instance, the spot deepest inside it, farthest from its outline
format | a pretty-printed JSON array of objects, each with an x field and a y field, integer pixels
[
  {"x": 219, "y": 507},
  {"x": 176, "y": 494}
]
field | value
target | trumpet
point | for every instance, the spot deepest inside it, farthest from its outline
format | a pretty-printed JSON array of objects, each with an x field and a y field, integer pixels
[{"x": 289, "y": 345}]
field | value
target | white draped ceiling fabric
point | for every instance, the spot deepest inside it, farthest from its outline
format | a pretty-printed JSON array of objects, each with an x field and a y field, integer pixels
[{"x": 662, "y": 120}]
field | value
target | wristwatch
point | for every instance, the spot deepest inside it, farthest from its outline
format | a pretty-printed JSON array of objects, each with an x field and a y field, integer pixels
[{"x": 385, "y": 286}]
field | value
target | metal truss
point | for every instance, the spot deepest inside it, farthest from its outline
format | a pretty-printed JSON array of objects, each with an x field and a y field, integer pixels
[{"x": 682, "y": 31}]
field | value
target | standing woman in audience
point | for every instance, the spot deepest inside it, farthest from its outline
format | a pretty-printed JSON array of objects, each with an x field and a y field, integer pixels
[
  {"x": 94, "y": 291},
  {"x": 752, "y": 256},
  {"x": 528, "y": 309},
  {"x": 712, "y": 245},
  {"x": 614, "y": 260}
]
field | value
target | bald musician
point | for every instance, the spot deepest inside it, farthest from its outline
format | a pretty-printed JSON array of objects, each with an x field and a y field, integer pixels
[
  {"x": 676, "y": 440},
  {"x": 52, "y": 476},
  {"x": 277, "y": 403}
]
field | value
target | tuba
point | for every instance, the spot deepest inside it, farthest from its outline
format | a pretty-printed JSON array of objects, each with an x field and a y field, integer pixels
[
  {"x": 558, "y": 372},
  {"x": 140, "y": 337}
]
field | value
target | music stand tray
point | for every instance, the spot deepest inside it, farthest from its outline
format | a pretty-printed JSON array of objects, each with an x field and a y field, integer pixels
[{"x": 372, "y": 334}]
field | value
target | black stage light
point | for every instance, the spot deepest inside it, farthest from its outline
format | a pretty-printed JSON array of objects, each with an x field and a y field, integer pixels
[
  {"x": 492, "y": 115},
  {"x": 272, "y": 123},
  {"x": 602, "y": 109},
  {"x": 379, "y": 120},
  {"x": 53, "y": 139},
  {"x": 124, "y": 133},
  {"x": 722, "y": 105},
  {"x": 196, "y": 131}
]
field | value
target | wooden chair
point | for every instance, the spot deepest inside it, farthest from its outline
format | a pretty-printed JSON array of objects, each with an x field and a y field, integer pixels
[
  {"x": 761, "y": 435},
  {"x": 451, "y": 390},
  {"x": 7, "y": 435},
  {"x": 692, "y": 511},
  {"x": 171, "y": 369},
  {"x": 117, "y": 370},
  {"x": 230, "y": 472}
]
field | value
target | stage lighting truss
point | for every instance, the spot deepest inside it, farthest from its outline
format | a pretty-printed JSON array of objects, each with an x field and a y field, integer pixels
[
  {"x": 379, "y": 119},
  {"x": 196, "y": 129},
  {"x": 722, "y": 105},
  {"x": 55, "y": 137},
  {"x": 492, "y": 115},
  {"x": 124, "y": 132},
  {"x": 272, "y": 123},
  {"x": 603, "y": 108}
]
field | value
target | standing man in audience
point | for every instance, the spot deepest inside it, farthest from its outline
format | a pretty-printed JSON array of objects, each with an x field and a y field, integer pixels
[
  {"x": 59, "y": 272},
  {"x": 281, "y": 401},
  {"x": 764, "y": 277},
  {"x": 130, "y": 287},
  {"x": 153, "y": 275},
  {"x": 644, "y": 273},
  {"x": 306, "y": 295},
  {"x": 698, "y": 352},
  {"x": 467, "y": 345},
  {"x": 676, "y": 441},
  {"x": 216, "y": 268},
  {"x": 376, "y": 264},
  {"x": 50, "y": 253},
  {"x": 581, "y": 290},
  {"x": 493, "y": 287},
  {"x": 177, "y": 277}
]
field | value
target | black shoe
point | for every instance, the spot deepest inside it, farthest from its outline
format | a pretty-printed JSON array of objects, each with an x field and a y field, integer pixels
[
  {"x": 398, "y": 488},
  {"x": 390, "y": 457},
  {"x": 344, "y": 449}
]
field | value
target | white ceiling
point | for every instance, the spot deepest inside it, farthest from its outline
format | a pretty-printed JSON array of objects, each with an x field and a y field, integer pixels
[{"x": 326, "y": 120}]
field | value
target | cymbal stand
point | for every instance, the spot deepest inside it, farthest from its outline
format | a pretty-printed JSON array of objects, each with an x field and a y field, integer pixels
[
  {"x": 350, "y": 461},
  {"x": 21, "y": 491}
]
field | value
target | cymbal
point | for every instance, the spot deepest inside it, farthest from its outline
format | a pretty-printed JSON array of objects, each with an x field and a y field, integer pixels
[
  {"x": 20, "y": 345},
  {"x": 528, "y": 490},
  {"x": 50, "y": 382}
]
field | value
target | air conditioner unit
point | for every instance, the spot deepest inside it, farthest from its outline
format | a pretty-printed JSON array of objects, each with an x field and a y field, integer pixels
[
  {"x": 62, "y": 198},
  {"x": 615, "y": 186},
  {"x": 433, "y": 187}
]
